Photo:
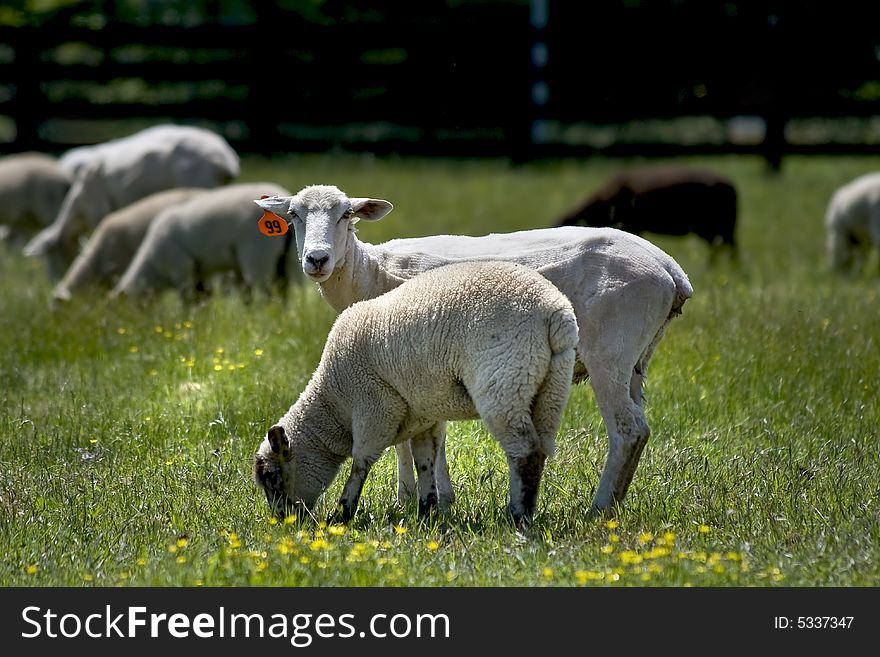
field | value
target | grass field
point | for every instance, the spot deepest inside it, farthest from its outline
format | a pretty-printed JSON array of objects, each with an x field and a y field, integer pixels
[{"x": 127, "y": 430}]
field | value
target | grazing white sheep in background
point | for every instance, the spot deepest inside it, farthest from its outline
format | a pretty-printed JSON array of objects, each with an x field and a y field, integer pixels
[
  {"x": 32, "y": 188},
  {"x": 624, "y": 291},
  {"x": 492, "y": 340},
  {"x": 119, "y": 172},
  {"x": 852, "y": 221},
  {"x": 216, "y": 232},
  {"x": 115, "y": 241}
]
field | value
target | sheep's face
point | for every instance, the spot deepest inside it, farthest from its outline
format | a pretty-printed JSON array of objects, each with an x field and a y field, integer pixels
[
  {"x": 322, "y": 218},
  {"x": 273, "y": 472},
  {"x": 289, "y": 477}
]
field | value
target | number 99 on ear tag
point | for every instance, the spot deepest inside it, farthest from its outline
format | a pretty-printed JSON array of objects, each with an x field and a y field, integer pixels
[{"x": 272, "y": 225}]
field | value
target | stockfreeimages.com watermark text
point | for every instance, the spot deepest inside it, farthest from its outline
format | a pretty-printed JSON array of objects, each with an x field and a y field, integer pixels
[{"x": 299, "y": 629}]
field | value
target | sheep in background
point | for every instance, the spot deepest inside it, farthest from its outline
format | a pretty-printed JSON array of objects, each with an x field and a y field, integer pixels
[
  {"x": 115, "y": 241},
  {"x": 666, "y": 200},
  {"x": 119, "y": 172},
  {"x": 215, "y": 232},
  {"x": 32, "y": 188},
  {"x": 491, "y": 340},
  {"x": 852, "y": 222},
  {"x": 624, "y": 290}
]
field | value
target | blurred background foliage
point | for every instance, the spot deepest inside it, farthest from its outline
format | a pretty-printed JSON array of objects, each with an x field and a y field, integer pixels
[{"x": 512, "y": 78}]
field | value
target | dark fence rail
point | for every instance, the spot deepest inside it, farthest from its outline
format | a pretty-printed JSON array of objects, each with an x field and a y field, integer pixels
[{"x": 459, "y": 79}]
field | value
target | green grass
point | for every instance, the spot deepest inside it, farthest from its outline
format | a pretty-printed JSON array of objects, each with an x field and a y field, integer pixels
[{"x": 127, "y": 430}]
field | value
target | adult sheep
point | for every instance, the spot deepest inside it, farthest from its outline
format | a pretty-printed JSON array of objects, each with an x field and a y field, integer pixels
[
  {"x": 624, "y": 291},
  {"x": 115, "y": 241},
  {"x": 852, "y": 222},
  {"x": 32, "y": 188},
  {"x": 491, "y": 340},
  {"x": 119, "y": 172},
  {"x": 215, "y": 232},
  {"x": 667, "y": 200}
]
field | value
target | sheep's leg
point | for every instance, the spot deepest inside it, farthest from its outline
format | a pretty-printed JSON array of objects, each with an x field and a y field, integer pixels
[
  {"x": 525, "y": 459},
  {"x": 406, "y": 483},
  {"x": 424, "y": 449},
  {"x": 445, "y": 492},
  {"x": 354, "y": 485},
  {"x": 616, "y": 343},
  {"x": 628, "y": 432}
]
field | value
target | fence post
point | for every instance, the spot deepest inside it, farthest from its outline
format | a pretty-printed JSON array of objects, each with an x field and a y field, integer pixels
[
  {"x": 539, "y": 90},
  {"x": 28, "y": 104}
]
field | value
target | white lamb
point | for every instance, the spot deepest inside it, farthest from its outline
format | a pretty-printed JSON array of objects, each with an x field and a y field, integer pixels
[
  {"x": 32, "y": 188},
  {"x": 216, "y": 232},
  {"x": 492, "y": 340},
  {"x": 852, "y": 221},
  {"x": 115, "y": 241},
  {"x": 624, "y": 291},
  {"x": 117, "y": 173}
]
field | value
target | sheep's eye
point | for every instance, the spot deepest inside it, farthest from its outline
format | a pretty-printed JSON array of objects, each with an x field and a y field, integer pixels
[{"x": 347, "y": 214}]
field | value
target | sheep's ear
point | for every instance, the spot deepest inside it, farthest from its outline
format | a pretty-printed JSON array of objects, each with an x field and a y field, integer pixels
[
  {"x": 279, "y": 205},
  {"x": 278, "y": 441},
  {"x": 370, "y": 209}
]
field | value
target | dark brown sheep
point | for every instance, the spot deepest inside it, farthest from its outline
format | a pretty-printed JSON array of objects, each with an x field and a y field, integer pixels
[{"x": 667, "y": 200}]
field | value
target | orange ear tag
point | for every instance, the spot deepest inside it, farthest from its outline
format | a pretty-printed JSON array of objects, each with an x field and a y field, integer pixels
[{"x": 271, "y": 224}]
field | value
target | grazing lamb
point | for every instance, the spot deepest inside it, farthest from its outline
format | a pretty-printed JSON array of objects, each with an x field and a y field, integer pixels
[
  {"x": 491, "y": 340},
  {"x": 119, "y": 172},
  {"x": 32, "y": 187},
  {"x": 668, "y": 200},
  {"x": 852, "y": 222},
  {"x": 215, "y": 232},
  {"x": 624, "y": 291},
  {"x": 115, "y": 241}
]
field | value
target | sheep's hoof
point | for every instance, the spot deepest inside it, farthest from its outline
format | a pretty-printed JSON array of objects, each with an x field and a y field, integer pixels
[
  {"x": 521, "y": 520},
  {"x": 428, "y": 505}
]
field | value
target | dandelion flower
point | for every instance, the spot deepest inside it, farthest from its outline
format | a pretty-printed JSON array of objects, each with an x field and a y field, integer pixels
[
  {"x": 612, "y": 524},
  {"x": 399, "y": 529},
  {"x": 32, "y": 569},
  {"x": 258, "y": 352},
  {"x": 433, "y": 545},
  {"x": 704, "y": 529}
]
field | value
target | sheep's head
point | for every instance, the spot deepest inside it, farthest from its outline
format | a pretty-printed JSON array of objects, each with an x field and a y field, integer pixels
[
  {"x": 292, "y": 474},
  {"x": 273, "y": 471},
  {"x": 322, "y": 217}
]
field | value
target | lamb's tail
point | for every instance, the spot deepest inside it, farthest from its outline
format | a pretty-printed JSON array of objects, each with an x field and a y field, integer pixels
[{"x": 553, "y": 393}]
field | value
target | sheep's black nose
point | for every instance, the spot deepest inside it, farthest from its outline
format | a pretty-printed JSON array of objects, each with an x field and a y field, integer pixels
[{"x": 317, "y": 260}]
